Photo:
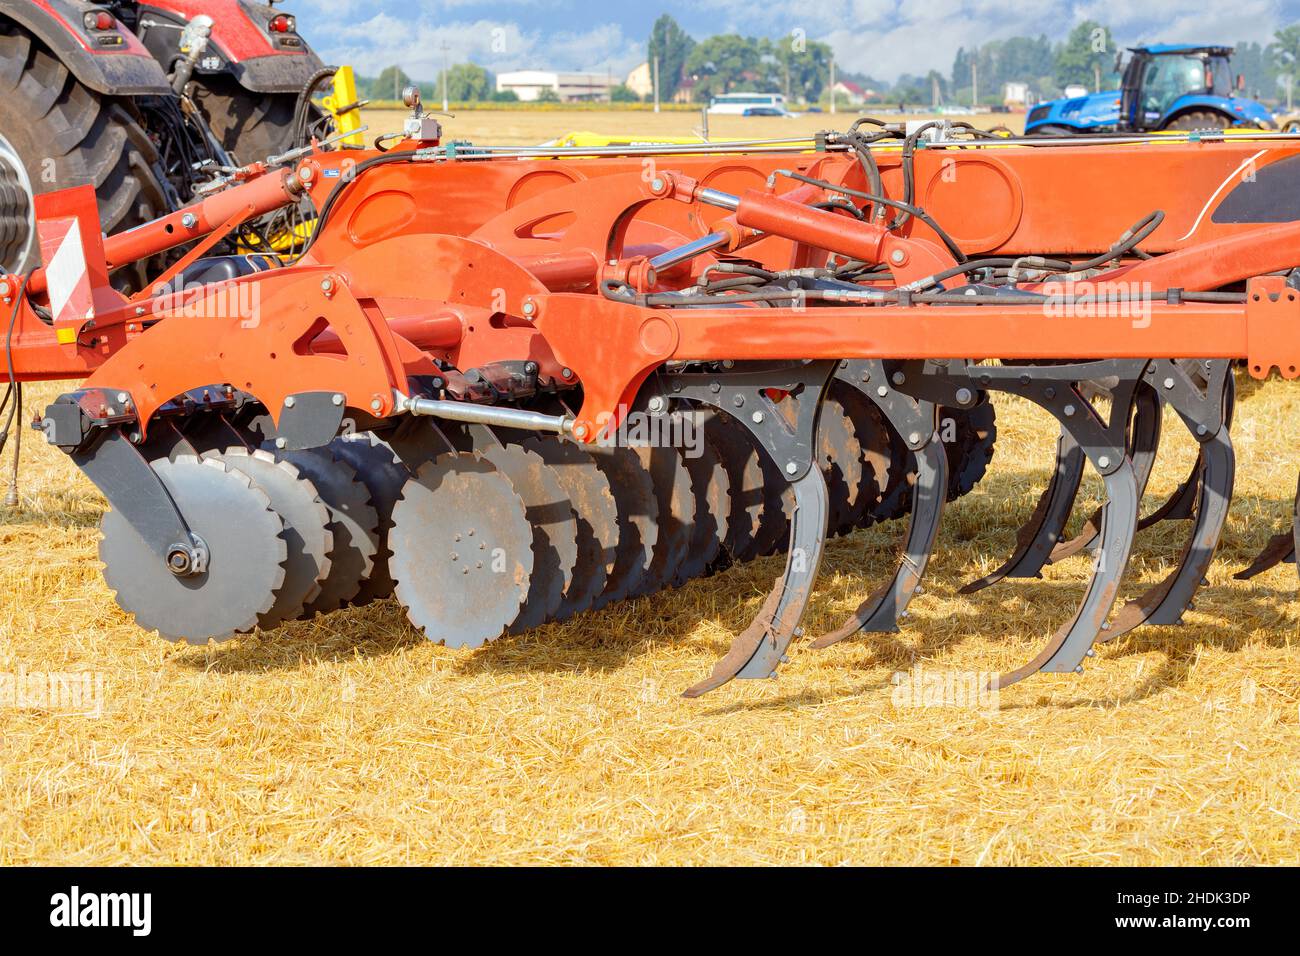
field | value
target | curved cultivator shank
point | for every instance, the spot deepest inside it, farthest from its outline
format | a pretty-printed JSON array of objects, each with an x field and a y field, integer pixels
[{"x": 510, "y": 387}]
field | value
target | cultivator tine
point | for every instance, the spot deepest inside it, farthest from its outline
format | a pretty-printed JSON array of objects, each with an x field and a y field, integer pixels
[
  {"x": 1143, "y": 441},
  {"x": 914, "y": 419},
  {"x": 1057, "y": 389},
  {"x": 1281, "y": 548},
  {"x": 1037, "y": 537},
  {"x": 1207, "y": 418},
  {"x": 791, "y": 446}
]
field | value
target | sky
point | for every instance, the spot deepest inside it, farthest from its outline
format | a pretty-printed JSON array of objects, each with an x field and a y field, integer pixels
[{"x": 882, "y": 38}]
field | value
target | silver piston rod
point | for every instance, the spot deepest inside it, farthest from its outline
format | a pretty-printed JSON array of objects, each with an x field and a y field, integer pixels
[{"x": 486, "y": 415}]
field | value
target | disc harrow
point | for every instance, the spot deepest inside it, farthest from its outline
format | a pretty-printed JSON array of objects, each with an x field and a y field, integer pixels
[{"x": 511, "y": 387}]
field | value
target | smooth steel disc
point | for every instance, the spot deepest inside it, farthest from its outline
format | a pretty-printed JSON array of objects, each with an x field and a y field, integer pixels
[
  {"x": 383, "y": 474},
  {"x": 306, "y": 529},
  {"x": 246, "y": 556},
  {"x": 596, "y": 514},
  {"x": 353, "y": 522},
  {"x": 462, "y": 550},
  {"x": 555, "y": 531},
  {"x": 638, "y": 520}
]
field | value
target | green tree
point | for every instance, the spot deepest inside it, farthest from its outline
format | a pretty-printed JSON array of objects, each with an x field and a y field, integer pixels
[
  {"x": 622, "y": 93},
  {"x": 389, "y": 84},
  {"x": 505, "y": 96},
  {"x": 548, "y": 95},
  {"x": 797, "y": 67},
  {"x": 722, "y": 63},
  {"x": 1285, "y": 50},
  {"x": 1088, "y": 48},
  {"x": 673, "y": 46},
  {"x": 467, "y": 83}
]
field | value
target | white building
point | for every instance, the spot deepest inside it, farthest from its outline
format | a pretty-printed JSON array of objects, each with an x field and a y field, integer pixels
[
  {"x": 569, "y": 87},
  {"x": 641, "y": 81},
  {"x": 1015, "y": 94}
]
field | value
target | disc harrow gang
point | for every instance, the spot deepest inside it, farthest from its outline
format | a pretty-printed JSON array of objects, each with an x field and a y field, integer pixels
[{"x": 508, "y": 389}]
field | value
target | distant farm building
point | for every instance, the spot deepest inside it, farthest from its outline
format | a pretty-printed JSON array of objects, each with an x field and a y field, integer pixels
[{"x": 568, "y": 87}]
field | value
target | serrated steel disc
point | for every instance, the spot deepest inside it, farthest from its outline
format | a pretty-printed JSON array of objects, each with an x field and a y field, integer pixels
[
  {"x": 383, "y": 474},
  {"x": 246, "y": 553},
  {"x": 741, "y": 457},
  {"x": 970, "y": 454},
  {"x": 306, "y": 529},
  {"x": 841, "y": 462},
  {"x": 462, "y": 550},
  {"x": 596, "y": 514},
  {"x": 711, "y": 487},
  {"x": 353, "y": 522},
  {"x": 555, "y": 531},
  {"x": 873, "y": 435},
  {"x": 638, "y": 517},
  {"x": 676, "y": 506}
]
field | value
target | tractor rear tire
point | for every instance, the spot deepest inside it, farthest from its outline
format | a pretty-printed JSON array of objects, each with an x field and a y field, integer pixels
[
  {"x": 1200, "y": 119},
  {"x": 56, "y": 133},
  {"x": 1050, "y": 130},
  {"x": 250, "y": 126}
]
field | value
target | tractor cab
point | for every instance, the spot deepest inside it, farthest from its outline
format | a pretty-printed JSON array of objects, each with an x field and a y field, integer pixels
[{"x": 1166, "y": 86}]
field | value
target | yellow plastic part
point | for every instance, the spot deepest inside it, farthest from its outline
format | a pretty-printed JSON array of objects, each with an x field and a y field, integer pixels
[{"x": 345, "y": 108}]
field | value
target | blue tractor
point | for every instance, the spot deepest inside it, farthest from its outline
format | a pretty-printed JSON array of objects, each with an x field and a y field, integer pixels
[{"x": 1168, "y": 86}]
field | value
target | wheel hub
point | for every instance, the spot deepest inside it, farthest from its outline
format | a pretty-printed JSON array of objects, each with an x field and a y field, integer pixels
[{"x": 17, "y": 213}]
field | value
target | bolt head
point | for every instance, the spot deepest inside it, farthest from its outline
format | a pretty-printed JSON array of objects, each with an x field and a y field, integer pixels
[
  {"x": 306, "y": 173},
  {"x": 281, "y": 443},
  {"x": 882, "y": 391},
  {"x": 290, "y": 402},
  {"x": 657, "y": 185},
  {"x": 337, "y": 399},
  {"x": 1104, "y": 461},
  {"x": 189, "y": 220},
  {"x": 964, "y": 396},
  {"x": 122, "y": 397},
  {"x": 897, "y": 256},
  {"x": 1069, "y": 410},
  {"x": 376, "y": 404},
  {"x": 791, "y": 467},
  {"x": 1169, "y": 383},
  {"x": 327, "y": 284},
  {"x": 567, "y": 372},
  {"x": 914, "y": 438},
  {"x": 530, "y": 308},
  {"x": 898, "y": 378},
  {"x": 657, "y": 404},
  {"x": 757, "y": 418}
]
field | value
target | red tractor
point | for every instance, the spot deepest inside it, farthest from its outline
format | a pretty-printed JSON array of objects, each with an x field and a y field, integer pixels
[{"x": 146, "y": 101}]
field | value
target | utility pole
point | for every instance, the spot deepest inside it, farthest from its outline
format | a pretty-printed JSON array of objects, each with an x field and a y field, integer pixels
[
  {"x": 446, "y": 108},
  {"x": 1096, "y": 76},
  {"x": 974, "y": 83},
  {"x": 832, "y": 84},
  {"x": 656, "y": 83},
  {"x": 1290, "y": 82}
]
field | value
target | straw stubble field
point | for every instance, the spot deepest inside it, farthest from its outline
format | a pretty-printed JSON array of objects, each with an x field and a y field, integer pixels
[{"x": 353, "y": 740}]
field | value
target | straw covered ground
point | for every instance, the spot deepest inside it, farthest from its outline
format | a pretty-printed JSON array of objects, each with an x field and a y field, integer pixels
[{"x": 353, "y": 740}]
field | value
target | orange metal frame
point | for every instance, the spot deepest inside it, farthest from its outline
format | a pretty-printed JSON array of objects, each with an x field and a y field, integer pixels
[{"x": 475, "y": 261}]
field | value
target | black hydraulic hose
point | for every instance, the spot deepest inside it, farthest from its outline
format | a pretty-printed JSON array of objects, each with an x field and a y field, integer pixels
[{"x": 302, "y": 110}]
